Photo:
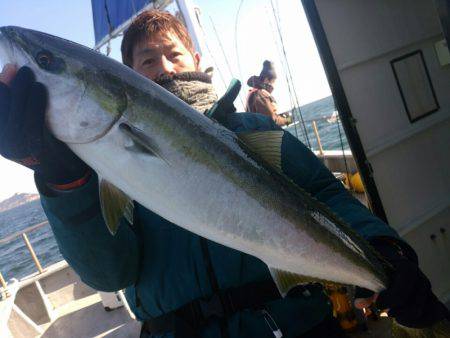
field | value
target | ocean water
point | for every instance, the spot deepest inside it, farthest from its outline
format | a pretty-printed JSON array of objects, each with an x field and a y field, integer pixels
[
  {"x": 319, "y": 111},
  {"x": 15, "y": 260}
]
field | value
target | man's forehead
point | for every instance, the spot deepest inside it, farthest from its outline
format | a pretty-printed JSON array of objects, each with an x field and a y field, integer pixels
[{"x": 158, "y": 41}]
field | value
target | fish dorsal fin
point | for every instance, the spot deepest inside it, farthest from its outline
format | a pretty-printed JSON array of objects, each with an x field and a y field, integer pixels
[
  {"x": 286, "y": 281},
  {"x": 267, "y": 144},
  {"x": 115, "y": 205}
]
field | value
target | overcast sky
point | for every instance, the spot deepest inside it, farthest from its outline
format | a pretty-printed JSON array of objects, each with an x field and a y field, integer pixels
[{"x": 247, "y": 42}]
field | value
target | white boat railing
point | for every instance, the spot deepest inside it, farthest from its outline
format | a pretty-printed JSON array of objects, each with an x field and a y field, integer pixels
[{"x": 23, "y": 233}]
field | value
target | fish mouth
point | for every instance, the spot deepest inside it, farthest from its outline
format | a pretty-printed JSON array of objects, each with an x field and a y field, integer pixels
[
  {"x": 12, "y": 46},
  {"x": 6, "y": 47}
]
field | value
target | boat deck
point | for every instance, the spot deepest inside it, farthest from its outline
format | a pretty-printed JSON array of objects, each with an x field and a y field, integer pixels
[
  {"x": 76, "y": 319},
  {"x": 57, "y": 303}
]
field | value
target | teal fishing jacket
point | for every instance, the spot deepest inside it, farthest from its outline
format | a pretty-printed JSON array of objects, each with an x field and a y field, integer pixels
[{"x": 161, "y": 265}]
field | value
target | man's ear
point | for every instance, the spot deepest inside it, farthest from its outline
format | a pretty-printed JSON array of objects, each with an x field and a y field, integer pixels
[{"x": 197, "y": 59}]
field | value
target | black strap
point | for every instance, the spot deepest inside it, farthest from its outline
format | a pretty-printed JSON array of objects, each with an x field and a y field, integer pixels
[
  {"x": 191, "y": 317},
  {"x": 215, "y": 287},
  {"x": 209, "y": 267}
]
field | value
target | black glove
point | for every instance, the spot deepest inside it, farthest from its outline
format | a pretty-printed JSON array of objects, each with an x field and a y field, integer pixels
[
  {"x": 408, "y": 296},
  {"x": 24, "y": 137},
  {"x": 288, "y": 119}
]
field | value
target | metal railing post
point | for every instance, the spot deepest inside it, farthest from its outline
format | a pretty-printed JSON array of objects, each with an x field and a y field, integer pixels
[
  {"x": 318, "y": 137},
  {"x": 33, "y": 254},
  {"x": 4, "y": 285}
]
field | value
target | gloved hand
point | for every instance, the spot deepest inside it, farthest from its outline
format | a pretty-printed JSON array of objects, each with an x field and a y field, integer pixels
[
  {"x": 288, "y": 119},
  {"x": 408, "y": 298},
  {"x": 24, "y": 137}
]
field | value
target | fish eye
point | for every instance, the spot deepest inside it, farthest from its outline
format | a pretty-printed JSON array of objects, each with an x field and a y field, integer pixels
[{"x": 46, "y": 60}]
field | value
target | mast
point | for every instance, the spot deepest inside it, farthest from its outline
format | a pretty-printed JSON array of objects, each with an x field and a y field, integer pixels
[{"x": 191, "y": 19}]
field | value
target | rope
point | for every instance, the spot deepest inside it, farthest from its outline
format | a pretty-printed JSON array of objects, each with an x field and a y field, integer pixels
[
  {"x": 236, "y": 22},
  {"x": 210, "y": 53},
  {"x": 111, "y": 28},
  {"x": 285, "y": 74},
  {"x": 221, "y": 47},
  {"x": 297, "y": 106},
  {"x": 223, "y": 53}
]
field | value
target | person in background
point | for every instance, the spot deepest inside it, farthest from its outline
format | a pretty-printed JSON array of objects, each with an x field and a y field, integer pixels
[
  {"x": 177, "y": 283},
  {"x": 260, "y": 99}
]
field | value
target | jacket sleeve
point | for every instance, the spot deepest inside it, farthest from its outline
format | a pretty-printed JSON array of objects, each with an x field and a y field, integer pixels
[
  {"x": 264, "y": 104},
  {"x": 308, "y": 172},
  {"x": 103, "y": 261},
  {"x": 301, "y": 165}
]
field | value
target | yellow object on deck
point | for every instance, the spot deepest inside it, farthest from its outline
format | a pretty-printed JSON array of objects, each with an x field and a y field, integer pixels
[
  {"x": 342, "y": 308},
  {"x": 356, "y": 183}
]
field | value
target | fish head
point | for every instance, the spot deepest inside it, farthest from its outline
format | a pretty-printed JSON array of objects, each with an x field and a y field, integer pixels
[{"x": 85, "y": 98}]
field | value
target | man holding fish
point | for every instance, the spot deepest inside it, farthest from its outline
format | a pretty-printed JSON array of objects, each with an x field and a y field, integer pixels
[{"x": 95, "y": 123}]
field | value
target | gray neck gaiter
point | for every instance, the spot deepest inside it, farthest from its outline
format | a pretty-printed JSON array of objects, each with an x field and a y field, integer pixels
[{"x": 194, "y": 88}]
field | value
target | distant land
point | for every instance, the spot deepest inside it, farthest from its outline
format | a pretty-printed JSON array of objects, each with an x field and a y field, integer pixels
[{"x": 17, "y": 200}]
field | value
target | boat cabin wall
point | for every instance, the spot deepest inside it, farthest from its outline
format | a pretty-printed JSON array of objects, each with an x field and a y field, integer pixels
[{"x": 391, "y": 62}]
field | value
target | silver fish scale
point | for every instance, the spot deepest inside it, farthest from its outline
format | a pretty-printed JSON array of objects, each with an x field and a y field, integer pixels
[{"x": 323, "y": 220}]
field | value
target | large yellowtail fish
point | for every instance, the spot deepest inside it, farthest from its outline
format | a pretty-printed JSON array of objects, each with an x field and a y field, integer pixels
[{"x": 149, "y": 146}]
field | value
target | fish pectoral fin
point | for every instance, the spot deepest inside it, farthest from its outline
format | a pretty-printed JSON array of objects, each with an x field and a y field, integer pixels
[
  {"x": 142, "y": 142},
  {"x": 267, "y": 144},
  {"x": 286, "y": 281},
  {"x": 115, "y": 204}
]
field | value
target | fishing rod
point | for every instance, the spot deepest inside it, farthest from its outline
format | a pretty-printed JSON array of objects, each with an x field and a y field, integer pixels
[{"x": 289, "y": 71}]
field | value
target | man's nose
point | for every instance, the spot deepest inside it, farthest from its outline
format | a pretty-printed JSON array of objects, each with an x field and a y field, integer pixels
[{"x": 167, "y": 67}]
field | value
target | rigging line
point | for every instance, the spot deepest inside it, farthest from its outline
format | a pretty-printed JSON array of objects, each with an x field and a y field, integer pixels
[
  {"x": 210, "y": 53},
  {"x": 236, "y": 22},
  {"x": 294, "y": 118},
  {"x": 296, "y": 106},
  {"x": 221, "y": 47},
  {"x": 224, "y": 55},
  {"x": 236, "y": 48},
  {"x": 111, "y": 29},
  {"x": 134, "y": 7},
  {"x": 276, "y": 15},
  {"x": 284, "y": 72},
  {"x": 289, "y": 72},
  {"x": 289, "y": 86}
]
